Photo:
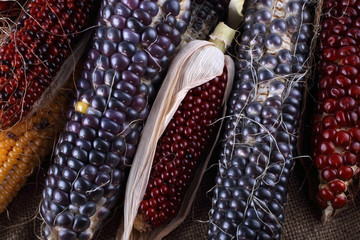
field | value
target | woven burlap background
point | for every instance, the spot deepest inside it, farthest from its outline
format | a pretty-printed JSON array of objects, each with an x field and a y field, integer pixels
[{"x": 302, "y": 217}]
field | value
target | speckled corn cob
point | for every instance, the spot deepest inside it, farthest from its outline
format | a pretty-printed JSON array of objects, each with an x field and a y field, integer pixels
[
  {"x": 259, "y": 141},
  {"x": 128, "y": 58},
  {"x": 38, "y": 45}
]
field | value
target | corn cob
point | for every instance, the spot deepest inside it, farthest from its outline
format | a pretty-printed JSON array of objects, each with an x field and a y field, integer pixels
[
  {"x": 179, "y": 152},
  {"x": 38, "y": 45},
  {"x": 205, "y": 14},
  {"x": 336, "y": 131},
  {"x": 23, "y": 147},
  {"x": 129, "y": 55},
  {"x": 260, "y": 133}
]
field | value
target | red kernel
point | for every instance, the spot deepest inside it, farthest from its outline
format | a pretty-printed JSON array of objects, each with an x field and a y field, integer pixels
[
  {"x": 349, "y": 158},
  {"x": 342, "y": 81},
  {"x": 345, "y": 173},
  {"x": 355, "y": 134},
  {"x": 328, "y": 174},
  {"x": 347, "y": 103},
  {"x": 355, "y": 147},
  {"x": 320, "y": 161},
  {"x": 342, "y": 138},
  {"x": 330, "y": 105},
  {"x": 329, "y": 122},
  {"x": 339, "y": 201},
  {"x": 326, "y": 147},
  {"x": 335, "y": 160},
  {"x": 337, "y": 186},
  {"x": 326, "y": 194},
  {"x": 329, "y": 134},
  {"x": 354, "y": 91}
]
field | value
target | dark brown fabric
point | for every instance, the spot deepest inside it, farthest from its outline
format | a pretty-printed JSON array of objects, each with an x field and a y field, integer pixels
[{"x": 302, "y": 217}]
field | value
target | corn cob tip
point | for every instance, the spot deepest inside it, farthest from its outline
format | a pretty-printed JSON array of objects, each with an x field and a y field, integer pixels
[
  {"x": 141, "y": 225},
  {"x": 222, "y": 36},
  {"x": 235, "y": 15}
]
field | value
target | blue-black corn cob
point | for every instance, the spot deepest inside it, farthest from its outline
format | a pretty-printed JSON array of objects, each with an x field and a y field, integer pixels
[
  {"x": 205, "y": 14},
  {"x": 128, "y": 58},
  {"x": 259, "y": 141}
]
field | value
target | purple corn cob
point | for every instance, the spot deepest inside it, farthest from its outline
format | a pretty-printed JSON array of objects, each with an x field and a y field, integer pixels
[{"x": 130, "y": 53}]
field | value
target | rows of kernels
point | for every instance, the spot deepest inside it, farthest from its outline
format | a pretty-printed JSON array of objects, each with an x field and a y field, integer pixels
[
  {"x": 130, "y": 52},
  {"x": 180, "y": 150},
  {"x": 38, "y": 45},
  {"x": 336, "y": 140},
  {"x": 264, "y": 109},
  {"x": 24, "y": 146},
  {"x": 204, "y": 17}
]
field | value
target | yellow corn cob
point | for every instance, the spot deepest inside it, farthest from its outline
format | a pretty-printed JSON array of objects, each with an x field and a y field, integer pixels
[{"x": 23, "y": 147}]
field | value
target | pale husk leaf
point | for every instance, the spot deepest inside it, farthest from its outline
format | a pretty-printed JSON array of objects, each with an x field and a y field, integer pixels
[{"x": 197, "y": 63}]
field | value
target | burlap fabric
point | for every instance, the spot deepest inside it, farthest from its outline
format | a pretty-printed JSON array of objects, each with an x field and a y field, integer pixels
[{"x": 302, "y": 216}]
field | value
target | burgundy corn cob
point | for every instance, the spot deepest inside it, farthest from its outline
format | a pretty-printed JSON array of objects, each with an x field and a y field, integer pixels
[
  {"x": 336, "y": 140},
  {"x": 128, "y": 58},
  {"x": 38, "y": 45},
  {"x": 259, "y": 144},
  {"x": 179, "y": 152}
]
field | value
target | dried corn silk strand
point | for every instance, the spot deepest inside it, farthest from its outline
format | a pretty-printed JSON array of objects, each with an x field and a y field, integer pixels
[
  {"x": 9, "y": 11},
  {"x": 336, "y": 134},
  {"x": 259, "y": 142},
  {"x": 128, "y": 57}
]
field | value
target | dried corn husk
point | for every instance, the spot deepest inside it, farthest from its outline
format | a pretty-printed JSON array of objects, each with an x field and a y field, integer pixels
[{"x": 197, "y": 63}]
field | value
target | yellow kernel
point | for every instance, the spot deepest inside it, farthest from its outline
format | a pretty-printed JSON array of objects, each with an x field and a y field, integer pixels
[
  {"x": 3, "y": 158},
  {"x": 17, "y": 149},
  {"x": 10, "y": 142},
  {"x": 25, "y": 159},
  {"x": 81, "y": 107},
  {"x": 13, "y": 154},
  {"x": 8, "y": 165},
  {"x": 29, "y": 134},
  {"x": 2, "y": 198},
  {"x": 22, "y": 165},
  {"x": 12, "y": 160}
]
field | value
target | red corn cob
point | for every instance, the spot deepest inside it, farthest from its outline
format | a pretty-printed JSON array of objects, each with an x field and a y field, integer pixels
[
  {"x": 179, "y": 152},
  {"x": 39, "y": 43},
  {"x": 336, "y": 129}
]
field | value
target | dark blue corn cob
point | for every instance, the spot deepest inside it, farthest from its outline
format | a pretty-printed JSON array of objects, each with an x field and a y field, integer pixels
[
  {"x": 128, "y": 58},
  {"x": 259, "y": 143},
  {"x": 205, "y": 14}
]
